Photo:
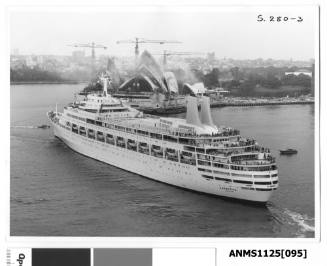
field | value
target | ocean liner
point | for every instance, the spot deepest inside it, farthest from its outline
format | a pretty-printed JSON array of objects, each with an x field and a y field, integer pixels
[{"x": 191, "y": 153}]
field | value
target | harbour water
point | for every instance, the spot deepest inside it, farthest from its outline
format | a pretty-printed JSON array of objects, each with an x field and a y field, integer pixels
[{"x": 58, "y": 192}]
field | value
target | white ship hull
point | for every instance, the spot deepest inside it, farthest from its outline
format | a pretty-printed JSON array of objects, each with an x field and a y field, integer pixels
[{"x": 166, "y": 171}]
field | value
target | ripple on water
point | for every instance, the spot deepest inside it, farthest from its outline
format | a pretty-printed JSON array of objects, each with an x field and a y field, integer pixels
[
  {"x": 299, "y": 225},
  {"x": 29, "y": 201}
]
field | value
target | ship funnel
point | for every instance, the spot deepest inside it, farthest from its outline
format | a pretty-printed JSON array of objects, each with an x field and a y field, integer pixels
[
  {"x": 205, "y": 113},
  {"x": 192, "y": 113}
]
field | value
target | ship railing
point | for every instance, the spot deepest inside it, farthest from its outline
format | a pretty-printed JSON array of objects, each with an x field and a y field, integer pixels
[
  {"x": 214, "y": 150},
  {"x": 173, "y": 133},
  {"x": 208, "y": 158},
  {"x": 231, "y": 147},
  {"x": 255, "y": 162}
]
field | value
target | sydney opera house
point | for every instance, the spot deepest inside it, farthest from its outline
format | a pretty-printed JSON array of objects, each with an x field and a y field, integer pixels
[
  {"x": 152, "y": 87},
  {"x": 150, "y": 77}
]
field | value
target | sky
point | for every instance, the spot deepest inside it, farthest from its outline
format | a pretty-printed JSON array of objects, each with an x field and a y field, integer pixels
[{"x": 230, "y": 32}]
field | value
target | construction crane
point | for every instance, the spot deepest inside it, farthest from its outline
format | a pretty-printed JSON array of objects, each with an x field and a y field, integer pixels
[
  {"x": 137, "y": 41},
  {"x": 93, "y": 46},
  {"x": 166, "y": 53},
  {"x": 90, "y": 45}
]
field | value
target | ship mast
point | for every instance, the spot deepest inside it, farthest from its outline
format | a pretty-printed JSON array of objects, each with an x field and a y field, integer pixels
[{"x": 104, "y": 79}]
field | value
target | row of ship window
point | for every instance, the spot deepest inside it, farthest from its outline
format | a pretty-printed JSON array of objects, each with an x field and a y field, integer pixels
[
  {"x": 157, "y": 151},
  {"x": 258, "y": 189},
  {"x": 208, "y": 177},
  {"x": 235, "y": 174},
  {"x": 241, "y": 181}
]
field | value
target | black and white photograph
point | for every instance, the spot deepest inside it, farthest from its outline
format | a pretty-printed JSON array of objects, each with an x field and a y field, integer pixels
[{"x": 164, "y": 122}]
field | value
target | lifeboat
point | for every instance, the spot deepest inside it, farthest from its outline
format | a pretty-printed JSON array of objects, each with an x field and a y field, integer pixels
[
  {"x": 100, "y": 136},
  {"x": 90, "y": 133},
  {"x": 156, "y": 151},
  {"x": 110, "y": 139},
  {"x": 187, "y": 155},
  {"x": 131, "y": 144},
  {"x": 171, "y": 152},
  {"x": 143, "y": 145},
  {"x": 82, "y": 131},
  {"x": 155, "y": 148},
  {"x": 120, "y": 141}
]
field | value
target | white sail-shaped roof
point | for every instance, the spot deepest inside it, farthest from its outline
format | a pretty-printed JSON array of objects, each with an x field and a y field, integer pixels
[
  {"x": 150, "y": 71},
  {"x": 171, "y": 82}
]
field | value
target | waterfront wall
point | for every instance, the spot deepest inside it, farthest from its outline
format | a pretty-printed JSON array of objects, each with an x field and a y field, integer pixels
[{"x": 182, "y": 109}]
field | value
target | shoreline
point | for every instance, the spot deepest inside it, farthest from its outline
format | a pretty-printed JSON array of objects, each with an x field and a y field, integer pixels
[
  {"x": 44, "y": 82},
  {"x": 182, "y": 109},
  {"x": 213, "y": 105}
]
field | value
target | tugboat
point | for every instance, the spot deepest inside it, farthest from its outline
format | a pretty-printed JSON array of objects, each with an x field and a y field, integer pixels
[{"x": 288, "y": 152}]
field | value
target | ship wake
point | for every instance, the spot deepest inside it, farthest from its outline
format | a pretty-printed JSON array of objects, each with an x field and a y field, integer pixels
[
  {"x": 297, "y": 224},
  {"x": 32, "y": 126}
]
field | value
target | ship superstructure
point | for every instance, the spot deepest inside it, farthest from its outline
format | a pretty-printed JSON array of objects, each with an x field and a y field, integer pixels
[{"x": 191, "y": 153}]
